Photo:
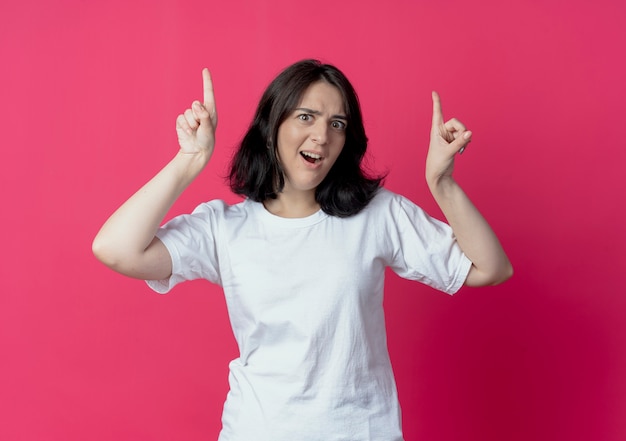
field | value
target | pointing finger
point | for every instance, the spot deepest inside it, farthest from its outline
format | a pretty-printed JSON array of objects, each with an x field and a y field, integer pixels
[
  {"x": 209, "y": 99},
  {"x": 437, "y": 112}
]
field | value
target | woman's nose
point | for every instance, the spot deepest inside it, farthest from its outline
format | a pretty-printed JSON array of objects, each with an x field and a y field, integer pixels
[{"x": 320, "y": 133}]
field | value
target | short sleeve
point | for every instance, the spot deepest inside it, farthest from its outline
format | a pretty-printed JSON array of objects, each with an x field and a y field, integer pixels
[
  {"x": 191, "y": 242},
  {"x": 425, "y": 249}
]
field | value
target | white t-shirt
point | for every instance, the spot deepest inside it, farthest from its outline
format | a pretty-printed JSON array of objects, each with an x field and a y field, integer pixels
[{"x": 305, "y": 300}]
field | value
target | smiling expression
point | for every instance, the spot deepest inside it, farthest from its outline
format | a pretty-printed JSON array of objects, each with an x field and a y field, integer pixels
[{"x": 311, "y": 138}]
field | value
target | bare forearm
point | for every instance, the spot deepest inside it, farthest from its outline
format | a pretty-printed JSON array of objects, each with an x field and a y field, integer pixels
[
  {"x": 130, "y": 230},
  {"x": 474, "y": 235}
]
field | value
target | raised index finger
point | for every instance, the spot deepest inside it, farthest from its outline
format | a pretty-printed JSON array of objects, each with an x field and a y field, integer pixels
[
  {"x": 209, "y": 99},
  {"x": 437, "y": 112}
]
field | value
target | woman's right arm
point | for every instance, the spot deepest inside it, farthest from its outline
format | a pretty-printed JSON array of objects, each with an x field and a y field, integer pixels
[{"x": 126, "y": 242}]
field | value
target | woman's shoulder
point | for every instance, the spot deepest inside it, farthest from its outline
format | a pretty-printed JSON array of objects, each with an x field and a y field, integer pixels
[
  {"x": 385, "y": 198},
  {"x": 220, "y": 208},
  {"x": 390, "y": 204}
]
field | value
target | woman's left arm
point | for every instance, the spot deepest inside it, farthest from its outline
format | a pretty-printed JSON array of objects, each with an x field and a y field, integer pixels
[{"x": 490, "y": 264}]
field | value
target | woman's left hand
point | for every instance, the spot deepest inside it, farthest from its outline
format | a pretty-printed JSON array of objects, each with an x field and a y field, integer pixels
[{"x": 446, "y": 140}]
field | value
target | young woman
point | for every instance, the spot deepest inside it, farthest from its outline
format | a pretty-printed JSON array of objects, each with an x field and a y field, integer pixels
[{"x": 301, "y": 260}]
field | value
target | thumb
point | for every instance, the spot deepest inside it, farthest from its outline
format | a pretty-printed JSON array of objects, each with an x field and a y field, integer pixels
[
  {"x": 202, "y": 114},
  {"x": 460, "y": 144}
]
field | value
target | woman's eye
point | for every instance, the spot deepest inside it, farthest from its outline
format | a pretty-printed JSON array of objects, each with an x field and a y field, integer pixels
[
  {"x": 304, "y": 117},
  {"x": 338, "y": 125}
]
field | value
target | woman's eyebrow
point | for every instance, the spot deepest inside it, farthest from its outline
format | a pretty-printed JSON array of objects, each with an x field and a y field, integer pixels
[{"x": 317, "y": 112}]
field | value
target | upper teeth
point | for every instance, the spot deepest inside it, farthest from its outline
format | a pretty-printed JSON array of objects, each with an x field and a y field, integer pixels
[{"x": 312, "y": 155}]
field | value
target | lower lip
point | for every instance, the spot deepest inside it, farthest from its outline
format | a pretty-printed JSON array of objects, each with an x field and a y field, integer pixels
[{"x": 312, "y": 165}]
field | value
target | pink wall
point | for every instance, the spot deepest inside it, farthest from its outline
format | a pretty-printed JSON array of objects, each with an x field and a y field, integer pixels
[{"x": 90, "y": 91}]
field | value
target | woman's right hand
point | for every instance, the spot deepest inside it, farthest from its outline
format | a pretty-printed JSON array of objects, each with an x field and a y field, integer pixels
[{"x": 196, "y": 126}]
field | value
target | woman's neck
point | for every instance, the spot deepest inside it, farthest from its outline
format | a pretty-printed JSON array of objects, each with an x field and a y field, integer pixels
[{"x": 292, "y": 205}]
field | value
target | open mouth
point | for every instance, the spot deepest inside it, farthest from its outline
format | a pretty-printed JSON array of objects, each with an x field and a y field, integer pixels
[{"x": 311, "y": 157}]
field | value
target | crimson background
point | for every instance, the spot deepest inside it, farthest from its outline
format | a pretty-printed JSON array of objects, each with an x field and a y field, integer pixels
[{"x": 90, "y": 91}]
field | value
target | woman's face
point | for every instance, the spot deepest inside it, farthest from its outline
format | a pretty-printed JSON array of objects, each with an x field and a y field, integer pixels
[{"x": 311, "y": 138}]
